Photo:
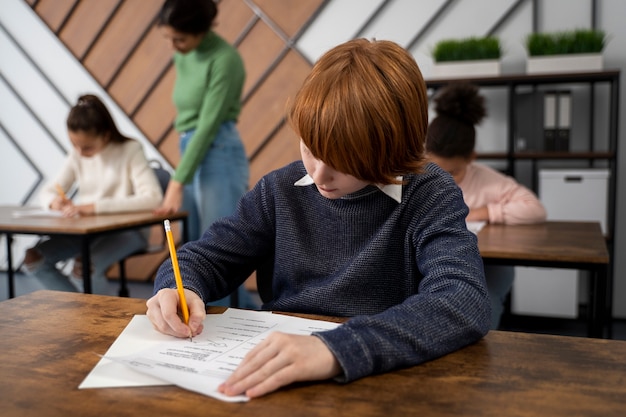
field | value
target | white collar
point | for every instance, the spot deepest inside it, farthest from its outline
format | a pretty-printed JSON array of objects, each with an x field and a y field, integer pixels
[{"x": 392, "y": 190}]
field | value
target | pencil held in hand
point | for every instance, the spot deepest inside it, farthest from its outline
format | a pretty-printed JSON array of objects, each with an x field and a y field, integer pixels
[
  {"x": 60, "y": 192},
  {"x": 179, "y": 280}
]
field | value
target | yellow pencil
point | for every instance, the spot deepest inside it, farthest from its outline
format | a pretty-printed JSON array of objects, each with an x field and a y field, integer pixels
[
  {"x": 61, "y": 192},
  {"x": 179, "y": 280}
]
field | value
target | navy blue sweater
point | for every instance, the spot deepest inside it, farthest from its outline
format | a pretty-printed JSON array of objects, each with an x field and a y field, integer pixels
[{"x": 408, "y": 274}]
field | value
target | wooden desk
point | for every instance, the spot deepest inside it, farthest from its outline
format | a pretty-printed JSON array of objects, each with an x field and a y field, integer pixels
[
  {"x": 85, "y": 227},
  {"x": 575, "y": 245},
  {"x": 50, "y": 340}
]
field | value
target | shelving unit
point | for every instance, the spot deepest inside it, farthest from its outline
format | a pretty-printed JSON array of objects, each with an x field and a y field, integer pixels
[{"x": 607, "y": 156}]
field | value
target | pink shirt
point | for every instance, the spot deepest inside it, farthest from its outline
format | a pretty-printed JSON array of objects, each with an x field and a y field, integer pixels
[{"x": 507, "y": 201}]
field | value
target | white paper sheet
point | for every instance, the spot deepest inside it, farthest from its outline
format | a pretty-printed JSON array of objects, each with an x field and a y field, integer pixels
[
  {"x": 142, "y": 356},
  {"x": 475, "y": 227},
  {"x": 37, "y": 213}
]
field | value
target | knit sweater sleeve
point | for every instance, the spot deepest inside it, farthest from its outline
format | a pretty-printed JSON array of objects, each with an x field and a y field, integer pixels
[
  {"x": 228, "y": 252},
  {"x": 450, "y": 310}
]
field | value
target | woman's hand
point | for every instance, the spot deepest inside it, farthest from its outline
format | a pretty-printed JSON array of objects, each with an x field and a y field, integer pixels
[
  {"x": 79, "y": 210},
  {"x": 163, "y": 312},
  {"x": 279, "y": 360},
  {"x": 173, "y": 199},
  {"x": 59, "y": 203}
]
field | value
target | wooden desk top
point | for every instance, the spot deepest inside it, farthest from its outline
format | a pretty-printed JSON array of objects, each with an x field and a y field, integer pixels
[
  {"x": 77, "y": 225},
  {"x": 554, "y": 241},
  {"x": 50, "y": 340}
]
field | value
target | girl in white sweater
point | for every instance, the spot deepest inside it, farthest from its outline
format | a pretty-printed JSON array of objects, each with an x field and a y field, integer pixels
[{"x": 112, "y": 175}]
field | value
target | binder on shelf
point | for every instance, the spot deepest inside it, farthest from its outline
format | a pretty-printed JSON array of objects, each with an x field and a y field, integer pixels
[
  {"x": 549, "y": 120},
  {"x": 529, "y": 121},
  {"x": 564, "y": 121}
]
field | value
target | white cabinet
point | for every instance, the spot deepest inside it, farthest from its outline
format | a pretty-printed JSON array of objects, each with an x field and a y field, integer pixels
[{"x": 567, "y": 195}]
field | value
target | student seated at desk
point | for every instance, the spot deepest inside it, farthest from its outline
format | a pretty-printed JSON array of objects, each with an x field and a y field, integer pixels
[
  {"x": 112, "y": 175},
  {"x": 490, "y": 195},
  {"x": 362, "y": 227}
]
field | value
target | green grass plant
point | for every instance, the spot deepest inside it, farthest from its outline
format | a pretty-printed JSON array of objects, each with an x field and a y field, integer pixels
[
  {"x": 467, "y": 49},
  {"x": 581, "y": 41}
]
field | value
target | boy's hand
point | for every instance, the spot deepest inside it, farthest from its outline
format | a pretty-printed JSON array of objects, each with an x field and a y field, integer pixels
[
  {"x": 163, "y": 313},
  {"x": 279, "y": 360}
]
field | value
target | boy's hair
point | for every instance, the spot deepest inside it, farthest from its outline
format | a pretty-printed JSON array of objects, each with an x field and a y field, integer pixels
[
  {"x": 90, "y": 115},
  {"x": 459, "y": 107},
  {"x": 363, "y": 110},
  {"x": 188, "y": 16}
]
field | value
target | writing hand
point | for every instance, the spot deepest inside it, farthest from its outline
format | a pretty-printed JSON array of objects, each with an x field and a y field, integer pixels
[
  {"x": 60, "y": 203},
  {"x": 163, "y": 313},
  {"x": 279, "y": 360}
]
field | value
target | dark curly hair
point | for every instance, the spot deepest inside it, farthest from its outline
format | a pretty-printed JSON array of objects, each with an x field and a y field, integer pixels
[{"x": 459, "y": 107}]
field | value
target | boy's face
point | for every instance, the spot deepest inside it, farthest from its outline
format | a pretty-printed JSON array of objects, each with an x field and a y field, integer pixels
[
  {"x": 455, "y": 166},
  {"x": 329, "y": 182}
]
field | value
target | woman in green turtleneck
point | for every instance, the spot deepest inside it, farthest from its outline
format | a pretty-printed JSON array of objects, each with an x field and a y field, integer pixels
[{"x": 213, "y": 172}]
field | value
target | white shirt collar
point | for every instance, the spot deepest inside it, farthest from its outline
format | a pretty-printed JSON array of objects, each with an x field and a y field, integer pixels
[{"x": 392, "y": 190}]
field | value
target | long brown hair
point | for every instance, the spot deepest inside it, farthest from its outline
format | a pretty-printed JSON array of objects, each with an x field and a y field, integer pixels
[
  {"x": 89, "y": 114},
  {"x": 363, "y": 110}
]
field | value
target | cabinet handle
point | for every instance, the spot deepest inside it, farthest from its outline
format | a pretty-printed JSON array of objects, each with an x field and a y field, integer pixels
[{"x": 574, "y": 179}]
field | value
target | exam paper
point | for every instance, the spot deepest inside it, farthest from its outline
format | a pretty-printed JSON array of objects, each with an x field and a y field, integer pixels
[
  {"x": 476, "y": 226},
  {"x": 37, "y": 213},
  {"x": 203, "y": 364}
]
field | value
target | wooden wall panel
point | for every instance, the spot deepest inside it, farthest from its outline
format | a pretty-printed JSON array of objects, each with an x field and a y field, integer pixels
[
  {"x": 259, "y": 50},
  {"x": 169, "y": 148},
  {"x": 284, "y": 148},
  {"x": 141, "y": 71},
  {"x": 124, "y": 31},
  {"x": 232, "y": 18},
  {"x": 266, "y": 108},
  {"x": 289, "y": 15},
  {"x": 155, "y": 116},
  {"x": 54, "y": 12},
  {"x": 87, "y": 20}
]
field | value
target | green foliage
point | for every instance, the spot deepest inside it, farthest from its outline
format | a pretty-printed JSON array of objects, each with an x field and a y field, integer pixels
[
  {"x": 581, "y": 41},
  {"x": 467, "y": 49}
]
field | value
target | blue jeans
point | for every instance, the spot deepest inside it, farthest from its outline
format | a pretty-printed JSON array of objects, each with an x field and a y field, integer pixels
[
  {"x": 104, "y": 251},
  {"x": 499, "y": 282},
  {"x": 219, "y": 182}
]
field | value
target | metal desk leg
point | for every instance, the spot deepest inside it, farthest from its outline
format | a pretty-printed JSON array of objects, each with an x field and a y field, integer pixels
[
  {"x": 596, "y": 316},
  {"x": 10, "y": 274},
  {"x": 86, "y": 265},
  {"x": 185, "y": 237}
]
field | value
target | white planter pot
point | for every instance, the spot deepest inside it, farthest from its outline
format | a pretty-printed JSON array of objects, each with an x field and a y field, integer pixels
[
  {"x": 564, "y": 63},
  {"x": 466, "y": 69}
]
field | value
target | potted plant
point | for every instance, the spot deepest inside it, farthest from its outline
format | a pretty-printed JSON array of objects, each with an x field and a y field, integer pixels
[
  {"x": 474, "y": 56},
  {"x": 568, "y": 51}
]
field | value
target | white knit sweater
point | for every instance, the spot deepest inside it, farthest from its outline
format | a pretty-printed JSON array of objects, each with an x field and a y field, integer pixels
[{"x": 117, "y": 179}]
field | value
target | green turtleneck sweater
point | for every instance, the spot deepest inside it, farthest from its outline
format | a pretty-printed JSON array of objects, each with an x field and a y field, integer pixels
[{"x": 207, "y": 93}]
